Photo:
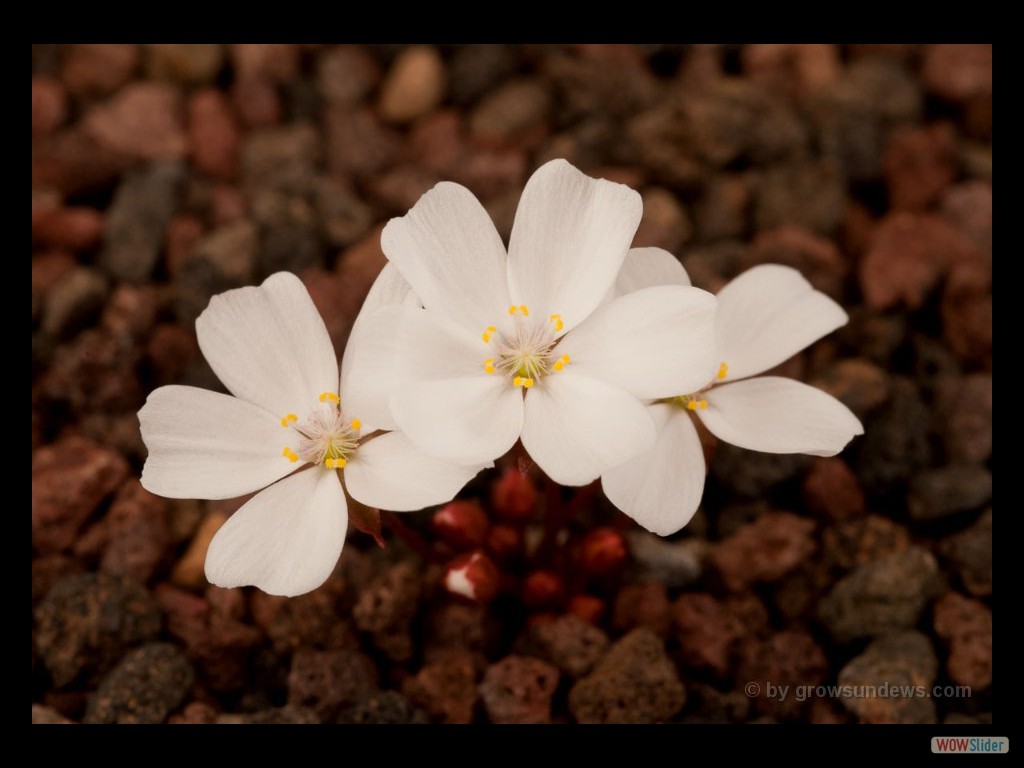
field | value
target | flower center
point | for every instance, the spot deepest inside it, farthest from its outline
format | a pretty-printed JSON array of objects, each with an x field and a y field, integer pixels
[
  {"x": 694, "y": 401},
  {"x": 326, "y": 436},
  {"x": 526, "y": 355}
]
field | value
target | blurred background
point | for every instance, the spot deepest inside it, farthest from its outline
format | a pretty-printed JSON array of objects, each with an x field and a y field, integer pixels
[{"x": 164, "y": 174}]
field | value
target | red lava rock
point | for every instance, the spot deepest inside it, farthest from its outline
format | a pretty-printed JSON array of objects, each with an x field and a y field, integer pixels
[
  {"x": 73, "y": 302},
  {"x": 966, "y": 627},
  {"x": 131, "y": 310},
  {"x": 183, "y": 232},
  {"x": 905, "y": 660},
  {"x": 472, "y": 576},
  {"x": 816, "y": 258},
  {"x": 957, "y": 71},
  {"x": 213, "y": 135},
  {"x": 919, "y": 165},
  {"x": 721, "y": 211},
  {"x": 602, "y": 551},
  {"x": 543, "y": 589},
  {"x": 795, "y": 69},
  {"x": 345, "y": 217},
  {"x": 337, "y": 299},
  {"x": 170, "y": 350},
  {"x": 48, "y": 570},
  {"x": 347, "y": 75},
  {"x": 69, "y": 480},
  {"x": 863, "y": 540},
  {"x": 790, "y": 658},
  {"x": 312, "y": 620},
  {"x": 413, "y": 86},
  {"x": 48, "y": 268},
  {"x": 145, "y": 687},
  {"x": 518, "y": 689},
  {"x": 831, "y": 489},
  {"x": 569, "y": 642},
  {"x": 807, "y": 195},
  {"x": 586, "y": 607},
  {"x": 949, "y": 490},
  {"x": 76, "y": 228},
  {"x": 665, "y": 223},
  {"x": 967, "y": 312},
  {"x": 328, "y": 681},
  {"x": 642, "y": 604},
  {"x": 504, "y": 542},
  {"x": 456, "y": 627},
  {"x": 763, "y": 550},
  {"x": 137, "y": 533},
  {"x": 446, "y": 689},
  {"x": 514, "y": 496},
  {"x": 256, "y": 102},
  {"x": 706, "y": 632},
  {"x": 95, "y": 371},
  {"x": 141, "y": 121},
  {"x": 634, "y": 683},
  {"x": 907, "y": 258},
  {"x": 87, "y": 622},
  {"x": 48, "y": 716},
  {"x": 968, "y": 207},
  {"x": 387, "y": 607},
  {"x": 98, "y": 70},
  {"x": 461, "y": 524},
  {"x": 188, "y": 63},
  {"x": 971, "y": 553},
  {"x": 514, "y": 113},
  {"x": 277, "y": 62},
  {"x": 194, "y": 713},
  {"x": 398, "y": 189},
  {"x": 356, "y": 143},
  {"x": 49, "y": 105}
]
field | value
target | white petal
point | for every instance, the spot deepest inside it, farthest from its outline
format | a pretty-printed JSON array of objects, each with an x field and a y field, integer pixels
[
  {"x": 570, "y": 236},
  {"x": 575, "y": 427},
  {"x": 777, "y": 415},
  {"x": 655, "y": 342},
  {"x": 767, "y": 315},
  {"x": 469, "y": 420},
  {"x": 448, "y": 250},
  {"x": 399, "y": 345},
  {"x": 388, "y": 290},
  {"x": 389, "y": 472},
  {"x": 285, "y": 540},
  {"x": 206, "y": 445},
  {"x": 661, "y": 488},
  {"x": 269, "y": 345},
  {"x": 648, "y": 267}
]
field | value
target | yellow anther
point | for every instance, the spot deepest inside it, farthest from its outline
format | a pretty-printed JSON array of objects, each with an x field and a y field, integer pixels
[
  {"x": 512, "y": 309},
  {"x": 527, "y": 383},
  {"x": 723, "y": 371},
  {"x": 557, "y": 320},
  {"x": 335, "y": 463},
  {"x": 692, "y": 405},
  {"x": 517, "y": 381},
  {"x": 486, "y": 335},
  {"x": 524, "y": 309},
  {"x": 357, "y": 424},
  {"x": 489, "y": 365},
  {"x": 287, "y": 418},
  {"x": 567, "y": 359},
  {"x": 559, "y": 365},
  {"x": 703, "y": 404},
  {"x": 325, "y": 396},
  {"x": 289, "y": 454}
]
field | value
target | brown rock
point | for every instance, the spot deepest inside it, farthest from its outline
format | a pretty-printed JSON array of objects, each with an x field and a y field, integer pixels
[
  {"x": 705, "y": 631},
  {"x": 256, "y": 102},
  {"x": 721, "y": 211},
  {"x": 190, "y": 570},
  {"x": 518, "y": 689},
  {"x": 811, "y": 196},
  {"x": 48, "y": 716},
  {"x": 957, "y": 71},
  {"x": 87, "y": 622},
  {"x": 891, "y": 681},
  {"x": 70, "y": 478},
  {"x": 194, "y": 713},
  {"x": 789, "y": 659},
  {"x": 570, "y": 643},
  {"x": 763, "y": 550},
  {"x": 141, "y": 121},
  {"x": 48, "y": 570},
  {"x": 131, "y": 310},
  {"x": 642, "y": 604},
  {"x": 213, "y": 135},
  {"x": 188, "y": 63},
  {"x": 145, "y": 687},
  {"x": 171, "y": 350},
  {"x": 138, "y": 536},
  {"x": 852, "y": 543},
  {"x": 816, "y": 258},
  {"x": 329, "y": 681},
  {"x": 345, "y": 217},
  {"x": 223, "y": 259},
  {"x": 98, "y": 70},
  {"x": 794, "y": 69},
  {"x": 49, "y": 105},
  {"x": 860, "y": 385},
  {"x": 312, "y": 620},
  {"x": 968, "y": 207},
  {"x": 413, "y": 86},
  {"x": 665, "y": 223},
  {"x": 456, "y": 627},
  {"x": 282, "y": 159},
  {"x": 831, "y": 489},
  {"x": 72, "y": 162},
  {"x": 971, "y": 554},
  {"x": 76, "y": 228},
  {"x": 74, "y": 302},
  {"x": 387, "y": 607},
  {"x": 634, "y": 683},
  {"x": 967, "y": 312},
  {"x": 966, "y": 627},
  {"x": 446, "y": 689},
  {"x": 276, "y": 62},
  {"x": 513, "y": 113},
  {"x": 948, "y": 490},
  {"x": 47, "y": 270},
  {"x": 346, "y": 75},
  {"x": 919, "y": 165}
]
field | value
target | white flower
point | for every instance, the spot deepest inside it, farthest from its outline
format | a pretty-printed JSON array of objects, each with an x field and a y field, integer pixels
[
  {"x": 765, "y": 316},
  {"x": 524, "y": 344},
  {"x": 271, "y": 349}
]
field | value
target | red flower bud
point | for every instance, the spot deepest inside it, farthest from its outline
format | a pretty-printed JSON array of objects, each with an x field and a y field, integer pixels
[
  {"x": 587, "y": 607},
  {"x": 542, "y": 589},
  {"x": 514, "y": 496},
  {"x": 602, "y": 551},
  {"x": 462, "y": 524},
  {"x": 504, "y": 541},
  {"x": 472, "y": 576}
]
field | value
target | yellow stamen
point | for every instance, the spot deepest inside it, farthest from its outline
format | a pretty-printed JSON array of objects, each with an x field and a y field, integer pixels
[
  {"x": 567, "y": 359},
  {"x": 325, "y": 396},
  {"x": 489, "y": 365},
  {"x": 723, "y": 371},
  {"x": 335, "y": 463},
  {"x": 287, "y": 418},
  {"x": 289, "y": 454},
  {"x": 692, "y": 405},
  {"x": 517, "y": 381},
  {"x": 559, "y": 365},
  {"x": 486, "y": 336},
  {"x": 357, "y": 424},
  {"x": 527, "y": 383},
  {"x": 524, "y": 309},
  {"x": 703, "y": 404},
  {"x": 512, "y": 309},
  {"x": 557, "y": 320}
]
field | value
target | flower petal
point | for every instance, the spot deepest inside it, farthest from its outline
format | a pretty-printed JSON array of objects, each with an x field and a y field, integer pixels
[
  {"x": 576, "y": 427},
  {"x": 286, "y": 539},
  {"x": 207, "y": 445},
  {"x": 648, "y": 267},
  {"x": 767, "y": 315},
  {"x": 655, "y": 342},
  {"x": 777, "y": 415},
  {"x": 468, "y": 420},
  {"x": 269, "y": 345},
  {"x": 446, "y": 246},
  {"x": 388, "y": 290},
  {"x": 389, "y": 472},
  {"x": 399, "y": 345},
  {"x": 662, "y": 487},
  {"x": 570, "y": 236}
]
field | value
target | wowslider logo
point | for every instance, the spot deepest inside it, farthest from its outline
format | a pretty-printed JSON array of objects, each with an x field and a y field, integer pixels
[{"x": 974, "y": 744}]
